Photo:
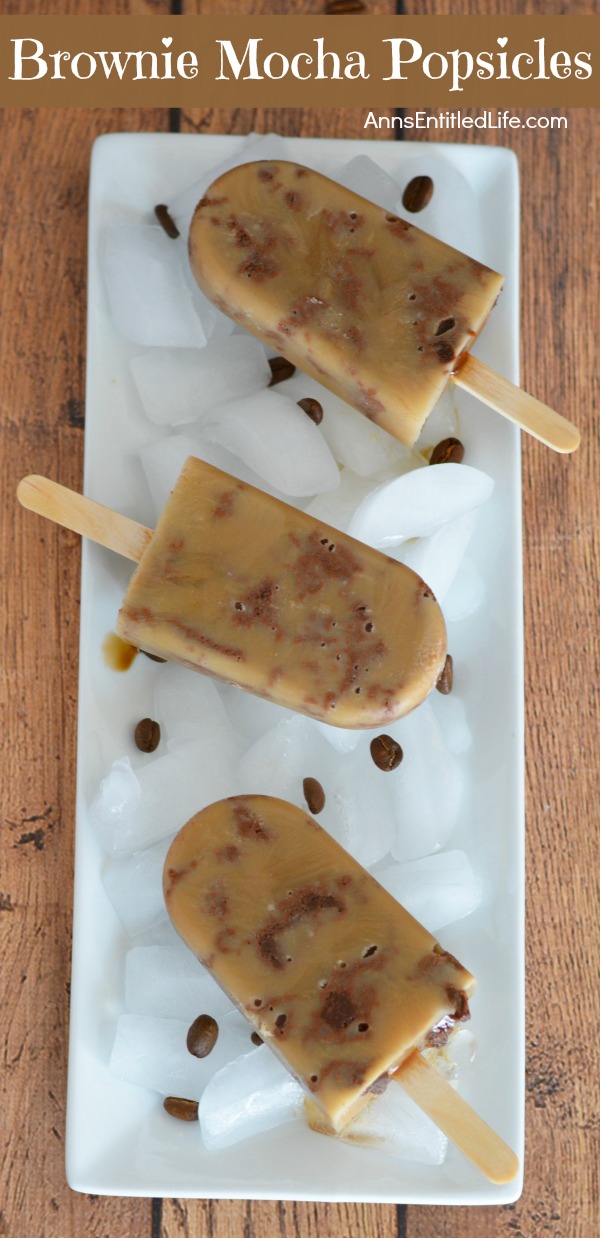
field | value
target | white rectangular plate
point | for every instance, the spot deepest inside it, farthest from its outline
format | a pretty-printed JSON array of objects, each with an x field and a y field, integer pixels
[{"x": 119, "y": 1140}]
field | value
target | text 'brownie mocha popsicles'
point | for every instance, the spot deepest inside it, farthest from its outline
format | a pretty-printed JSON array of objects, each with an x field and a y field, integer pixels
[
  {"x": 245, "y": 588},
  {"x": 372, "y": 307},
  {"x": 333, "y": 973}
]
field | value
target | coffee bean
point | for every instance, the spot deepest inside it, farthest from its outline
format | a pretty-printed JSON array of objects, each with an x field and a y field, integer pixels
[
  {"x": 449, "y": 451},
  {"x": 417, "y": 194},
  {"x": 166, "y": 221},
  {"x": 147, "y": 735},
  {"x": 312, "y": 408},
  {"x": 335, "y": 7},
  {"x": 256, "y": 1039},
  {"x": 386, "y": 753},
  {"x": 444, "y": 683},
  {"x": 202, "y": 1035},
  {"x": 314, "y": 795},
  {"x": 153, "y": 656},
  {"x": 179, "y": 1107},
  {"x": 281, "y": 369}
]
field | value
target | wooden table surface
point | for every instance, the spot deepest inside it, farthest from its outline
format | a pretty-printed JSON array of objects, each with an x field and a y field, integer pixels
[{"x": 44, "y": 160}]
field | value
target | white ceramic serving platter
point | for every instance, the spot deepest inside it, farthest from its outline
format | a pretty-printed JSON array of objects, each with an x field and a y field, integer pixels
[{"x": 119, "y": 1140}]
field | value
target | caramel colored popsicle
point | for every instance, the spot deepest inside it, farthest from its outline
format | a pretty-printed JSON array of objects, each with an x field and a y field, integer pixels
[
  {"x": 238, "y": 585},
  {"x": 332, "y": 972},
  {"x": 370, "y": 306}
]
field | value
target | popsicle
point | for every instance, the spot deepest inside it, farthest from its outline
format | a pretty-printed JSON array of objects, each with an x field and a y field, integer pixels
[
  {"x": 340, "y": 981},
  {"x": 372, "y": 307},
  {"x": 243, "y": 587}
]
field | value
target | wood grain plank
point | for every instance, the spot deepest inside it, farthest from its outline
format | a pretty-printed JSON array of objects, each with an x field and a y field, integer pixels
[
  {"x": 290, "y": 122},
  {"x": 44, "y": 161},
  {"x": 499, "y": 8},
  {"x": 86, "y": 8},
  {"x": 273, "y": 8},
  {"x": 234, "y": 1218}
]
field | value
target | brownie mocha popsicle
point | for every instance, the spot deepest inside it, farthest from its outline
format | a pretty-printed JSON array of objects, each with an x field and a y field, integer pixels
[
  {"x": 339, "y": 979},
  {"x": 246, "y": 588},
  {"x": 372, "y": 307},
  {"x": 341, "y": 982}
]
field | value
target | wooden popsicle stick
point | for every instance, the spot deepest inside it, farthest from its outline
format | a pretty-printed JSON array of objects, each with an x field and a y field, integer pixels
[
  {"x": 528, "y": 413},
  {"x": 85, "y": 516},
  {"x": 475, "y": 1139}
]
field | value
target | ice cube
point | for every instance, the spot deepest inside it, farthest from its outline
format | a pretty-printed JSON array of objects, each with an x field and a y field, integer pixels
[
  {"x": 355, "y": 442},
  {"x": 250, "y": 715},
  {"x": 467, "y": 593},
  {"x": 191, "y": 775},
  {"x": 170, "y": 789},
  {"x": 337, "y": 507},
  {"x": 149, "y": 300},
  {"x": 215, "y": 324},
  {"x": 114, "y": 810},
  {"x": 364, "y": 817},
  {"x": 417, "y": 503},
  {"x": 276, "y": 439},
  {"x": 426, "y": 790},
  {"x": 162, "y": 462},
  {"x": 251, "y": 1095},
  {"x": 153, "y": 1053},
  {"x": 179, "y": 385},
  {"x": 461, "y": 1049},
  {"x": 437, "y": 558},
  {"x": 280, "y": 760},
  {"x": 221, "y": 458},
  {"x": 437, "y": 889},
  {"x": 393, "y": 1123},
  {"x": 341, "y": 738},
  {"x": 134, "y": 887},
  {"x": 442, "y": 422},
  {"x": 363, "y": 176},
  {"x": 452, "y": 718},
  {"x": 459, "y": 226},
  {"x": 170, "y": 983},
  {"x": 189, "y": 706},
  {"x": 161, "y": 934}
]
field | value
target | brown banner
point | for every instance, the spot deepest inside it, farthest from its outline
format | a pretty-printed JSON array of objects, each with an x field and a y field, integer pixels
[{"x": 261, "y": 61}]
